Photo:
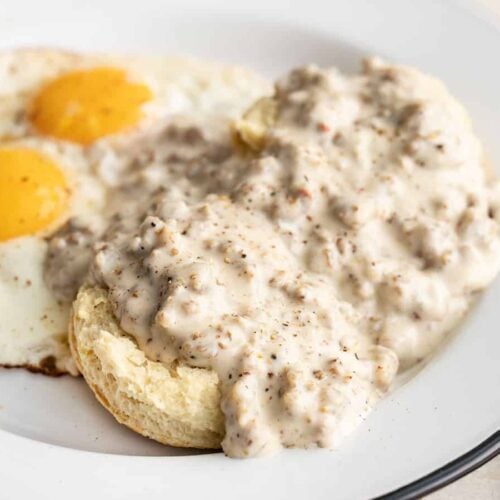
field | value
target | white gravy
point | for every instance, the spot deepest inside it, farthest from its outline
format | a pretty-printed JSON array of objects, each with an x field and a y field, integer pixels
[{"x": 348, "y": 244}]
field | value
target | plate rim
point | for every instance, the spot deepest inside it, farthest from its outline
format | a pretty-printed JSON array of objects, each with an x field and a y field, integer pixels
[
  {"x": 490, "y": 447},
  {"x": 452, "y": 471}
]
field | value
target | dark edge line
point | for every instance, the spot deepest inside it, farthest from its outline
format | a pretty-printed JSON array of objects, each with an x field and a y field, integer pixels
[
  {"x": 37, "y": 369},
  {"x": 449, "y": 472}
]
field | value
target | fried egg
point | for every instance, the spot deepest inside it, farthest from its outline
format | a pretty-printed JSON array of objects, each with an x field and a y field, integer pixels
[
  {"x": 42, "y": 184},
  {"x": 84, "y": 99},
  {"x": 56, "y": 110}
]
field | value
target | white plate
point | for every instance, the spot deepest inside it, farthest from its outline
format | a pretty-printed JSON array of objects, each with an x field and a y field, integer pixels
[{"x": 55, "y": 439}]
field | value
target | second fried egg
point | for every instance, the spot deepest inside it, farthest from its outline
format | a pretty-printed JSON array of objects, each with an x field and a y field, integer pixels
[{"x": 42, "y": 184}]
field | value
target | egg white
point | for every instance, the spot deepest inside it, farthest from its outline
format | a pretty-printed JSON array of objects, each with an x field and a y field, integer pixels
[{"x": 33, "y": 323}]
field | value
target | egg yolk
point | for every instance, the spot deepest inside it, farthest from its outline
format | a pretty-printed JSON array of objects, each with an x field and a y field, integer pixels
[
  {"x": 83, "y": 106},
  {"x": 33, "y": 192}
]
